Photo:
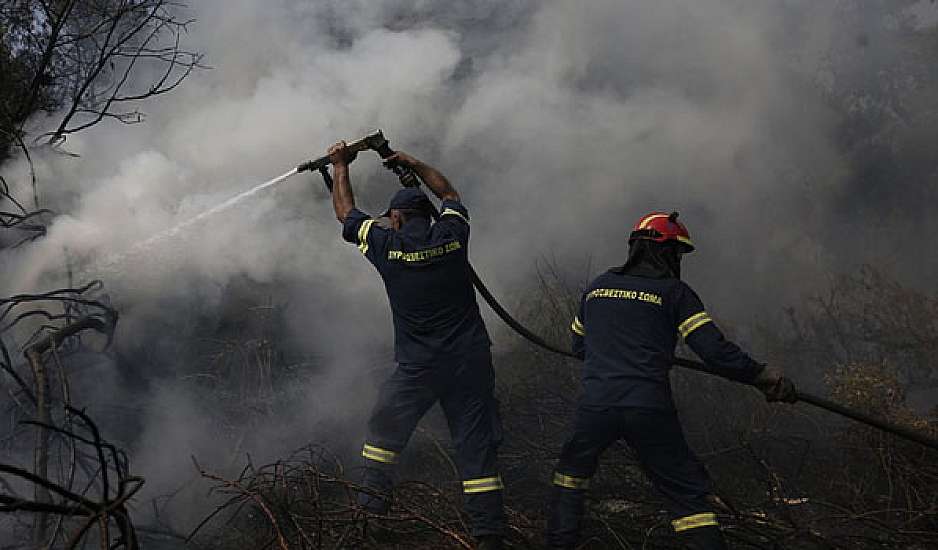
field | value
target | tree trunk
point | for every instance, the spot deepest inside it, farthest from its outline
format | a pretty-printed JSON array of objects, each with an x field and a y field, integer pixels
[{"x": 41, "y": 450}]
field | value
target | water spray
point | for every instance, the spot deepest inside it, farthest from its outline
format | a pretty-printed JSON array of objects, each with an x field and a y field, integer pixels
[{"x": 375, "y": 141}]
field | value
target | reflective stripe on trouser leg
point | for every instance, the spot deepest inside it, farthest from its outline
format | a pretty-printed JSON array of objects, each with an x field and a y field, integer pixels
[
  {"x": 707, "y": 519},
  {"x": 566, "y": 510},
  {"x": 483, "y": 504},
  {"x": 699, "y": 531},
  {"x": 373, "y": 452},
  {"x": 471, "y": 412},
  {"x": 571, "y": 482},
  {"x": 593, "y": 432},
  {"x": 376, "y": 477},
  {"x": 402, "y": 400},
  {"x": 482, "y": 485}
]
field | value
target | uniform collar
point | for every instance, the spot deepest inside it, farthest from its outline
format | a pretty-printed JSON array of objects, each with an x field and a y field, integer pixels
[{"x": 416, "y": 227}]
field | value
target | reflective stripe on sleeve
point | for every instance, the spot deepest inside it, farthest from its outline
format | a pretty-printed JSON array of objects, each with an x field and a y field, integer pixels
[
  {"x": 363, "y": 235},
  {"x": 578, "y": 327},
  {"x": 707, "y": 519},
  {"x": 378, "y": 454},
  {"x": 570, "y": 482},
  {"x": 482, "y": 485},
  {"x": 451, "y": 212},
  {"x": 694, "y": 322}
]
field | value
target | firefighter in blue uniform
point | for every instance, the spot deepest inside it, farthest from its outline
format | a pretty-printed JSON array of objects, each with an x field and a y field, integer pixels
[
  {"x": 441, "y": 344},
  {"x": 626, "y": 331}
]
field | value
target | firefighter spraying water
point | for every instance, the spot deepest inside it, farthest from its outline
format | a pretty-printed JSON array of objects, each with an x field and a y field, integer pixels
[{"x": 440, "y": 342}]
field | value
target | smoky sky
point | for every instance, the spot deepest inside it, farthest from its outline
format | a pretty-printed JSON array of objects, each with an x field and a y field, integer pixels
[{"x": 560, "y": 123}]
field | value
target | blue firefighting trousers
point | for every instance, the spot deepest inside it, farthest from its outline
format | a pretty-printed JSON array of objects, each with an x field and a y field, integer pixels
[
  {"x": 464, "y": 387},
  {"x": 658, "y": 442}
]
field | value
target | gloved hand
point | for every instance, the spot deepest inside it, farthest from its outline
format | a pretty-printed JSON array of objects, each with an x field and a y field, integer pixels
[{"x": 772, "y": 382}]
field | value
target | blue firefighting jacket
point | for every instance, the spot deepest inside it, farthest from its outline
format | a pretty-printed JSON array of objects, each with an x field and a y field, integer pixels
[
  {"x": 626, "y": 330},
  {"x": 426, "y": 274}
]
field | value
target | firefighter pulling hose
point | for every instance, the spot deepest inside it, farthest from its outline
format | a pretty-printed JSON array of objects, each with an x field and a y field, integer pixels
[{"x": 626, "y": 329}]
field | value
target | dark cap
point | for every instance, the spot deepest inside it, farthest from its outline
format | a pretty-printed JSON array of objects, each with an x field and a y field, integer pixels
[{"x": 409, "y": 198}]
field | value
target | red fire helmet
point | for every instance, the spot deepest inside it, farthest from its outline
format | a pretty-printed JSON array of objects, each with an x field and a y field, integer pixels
[{"x": 661, "y": 227}]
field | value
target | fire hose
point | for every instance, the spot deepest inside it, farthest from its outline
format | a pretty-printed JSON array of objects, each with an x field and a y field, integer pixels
[{"x": 377, "y": 142}]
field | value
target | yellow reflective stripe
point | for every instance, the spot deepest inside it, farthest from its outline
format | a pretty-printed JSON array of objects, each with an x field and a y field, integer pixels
[
  {"x": 578, "y": 327},
  {"x": 363, "y": 235},
  {"x": 482, "y": 485},
  {"x": 378, "y": 454},
  {"x": 696, "y": 326},
  {"x": 644, "y": 223},
  {"x": 684, "y": 240},
  {"x": 706, "y": 519},
  {"x": 570, "y": 482},
  {"x": 693, "y": 322},
  {"x": 451, "y": 212}
]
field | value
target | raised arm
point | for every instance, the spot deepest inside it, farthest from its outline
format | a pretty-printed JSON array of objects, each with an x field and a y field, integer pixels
[
  {"x": 434, "y": 180},
  {"x": 343, "y": 200}
]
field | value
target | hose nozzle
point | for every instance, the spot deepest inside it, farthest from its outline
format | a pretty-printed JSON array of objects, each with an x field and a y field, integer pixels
[{"x": 374, "y": 140}]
